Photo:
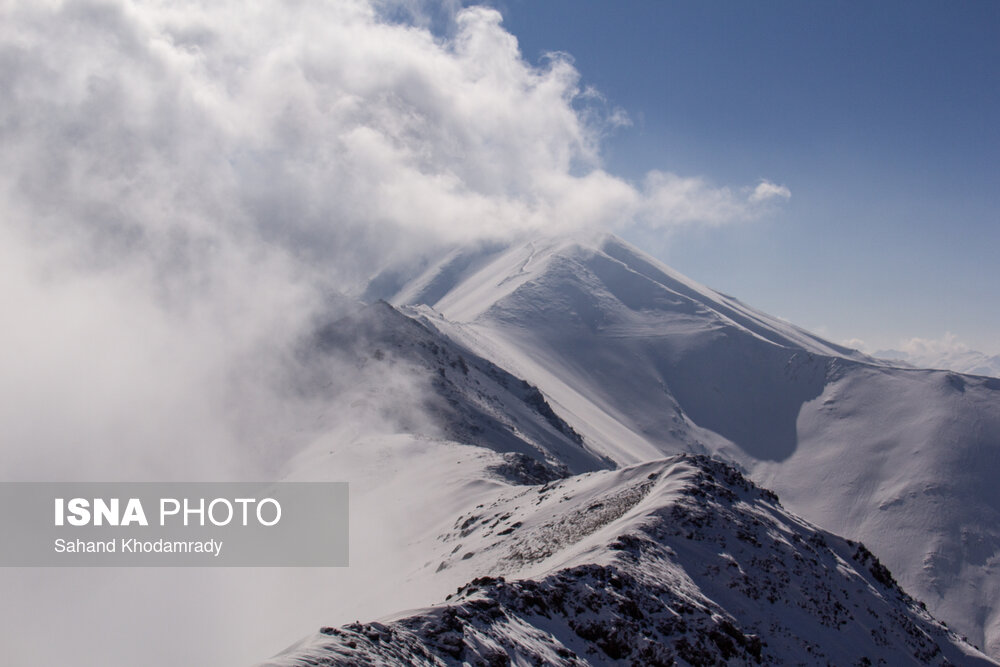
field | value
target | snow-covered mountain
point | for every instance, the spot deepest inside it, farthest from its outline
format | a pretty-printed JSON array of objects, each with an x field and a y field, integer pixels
[
  {"x": 676, "y": 561},
  {"x": 569, "y": 365},
  {"x": 643, "y": 362}
]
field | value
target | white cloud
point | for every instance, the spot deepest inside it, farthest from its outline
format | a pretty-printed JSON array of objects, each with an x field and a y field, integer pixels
[
  {"x": 947, "y": 344},
  {"x": 855, "y": 344},
  {"x": 766, "y": 190},
  {"x": 314, "y": 126},
  {"x": 670, "y": 200}
]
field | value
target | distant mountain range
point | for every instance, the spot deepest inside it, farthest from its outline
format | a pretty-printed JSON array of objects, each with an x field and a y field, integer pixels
[
  {"x": 960, "y": 360},
  {"x": 577, "y": 466}
]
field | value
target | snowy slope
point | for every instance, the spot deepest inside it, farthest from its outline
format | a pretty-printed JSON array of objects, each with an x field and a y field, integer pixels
[
  {"x": 676, "y": 561},
  {"x": 642, "y": 363}
]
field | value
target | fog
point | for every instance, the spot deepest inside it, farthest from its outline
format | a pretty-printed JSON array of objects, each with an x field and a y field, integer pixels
[{"x": 187, "y": 190}]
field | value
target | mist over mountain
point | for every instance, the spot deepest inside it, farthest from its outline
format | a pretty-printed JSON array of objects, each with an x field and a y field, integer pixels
[
  {"x": 561, "y": 363},
  {"x": 576, "y": 443}
]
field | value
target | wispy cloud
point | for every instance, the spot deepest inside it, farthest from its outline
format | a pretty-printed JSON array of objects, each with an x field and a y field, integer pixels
[
  {"x": 670, "y": 200},
  {"x": 767, "y": 191},
  {"x": 947, "y": 344}
]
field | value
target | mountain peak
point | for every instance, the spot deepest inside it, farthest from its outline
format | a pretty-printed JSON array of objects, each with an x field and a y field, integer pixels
[{"x": 597, "y": 278}]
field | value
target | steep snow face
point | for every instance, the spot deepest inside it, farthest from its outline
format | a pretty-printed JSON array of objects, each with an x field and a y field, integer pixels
[
  {"x": 677, "y": 561},
  {"x": 643, "y": 362}
]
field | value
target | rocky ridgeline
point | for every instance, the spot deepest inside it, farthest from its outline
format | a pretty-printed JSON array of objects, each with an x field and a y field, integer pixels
[{"x": 712, "y": 571}]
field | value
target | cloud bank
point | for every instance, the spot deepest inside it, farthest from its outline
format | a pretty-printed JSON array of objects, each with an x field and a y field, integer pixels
[
  {"x": 170, "y": 129},
  {"x": 187, "y": 187}
]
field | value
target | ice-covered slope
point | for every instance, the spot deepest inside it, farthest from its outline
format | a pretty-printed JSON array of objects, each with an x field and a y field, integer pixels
[
  {"x": 677, "y": 561},
  {"x": 642, "y": 362}
]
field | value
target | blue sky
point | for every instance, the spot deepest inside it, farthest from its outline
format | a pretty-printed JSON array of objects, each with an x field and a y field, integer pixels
[{"x": 881, "y": 118}]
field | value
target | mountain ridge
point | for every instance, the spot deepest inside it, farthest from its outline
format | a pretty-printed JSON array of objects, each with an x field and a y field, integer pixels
[{"x": 699, "y": 567}]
